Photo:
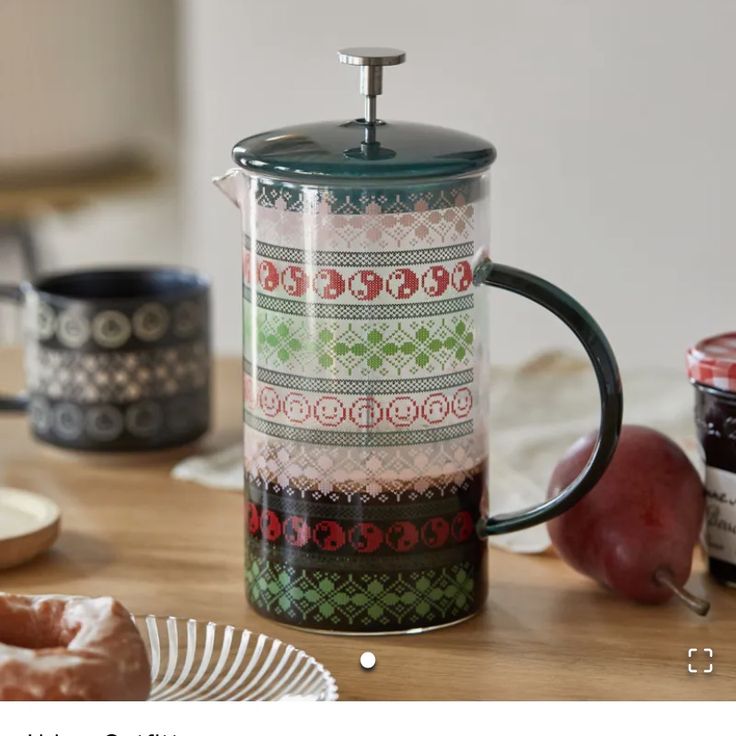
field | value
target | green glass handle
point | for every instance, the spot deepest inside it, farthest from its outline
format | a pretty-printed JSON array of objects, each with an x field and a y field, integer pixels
[
  {"x": 13, "y": 293},
  {"x": 609, "y": 383}
]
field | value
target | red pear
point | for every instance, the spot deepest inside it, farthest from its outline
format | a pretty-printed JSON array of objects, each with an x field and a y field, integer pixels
[{"x": 636, "y": 530}]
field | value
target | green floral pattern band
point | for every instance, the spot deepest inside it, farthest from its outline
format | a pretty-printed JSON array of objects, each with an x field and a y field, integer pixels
[
  {"x": 365, "y": 601},
  {"x": 372, "y": 349}
]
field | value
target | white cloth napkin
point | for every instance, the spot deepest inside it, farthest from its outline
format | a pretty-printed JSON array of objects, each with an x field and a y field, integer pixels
[
  {"x": 537, "y": 411},
  {"x": 222, "y": 469}
]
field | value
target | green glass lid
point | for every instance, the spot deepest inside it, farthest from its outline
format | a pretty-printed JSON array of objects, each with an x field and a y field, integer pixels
[{"x": 365, "y": 148}]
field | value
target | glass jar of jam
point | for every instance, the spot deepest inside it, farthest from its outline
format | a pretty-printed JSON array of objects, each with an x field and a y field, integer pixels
[{"x": 712, "y": 370}]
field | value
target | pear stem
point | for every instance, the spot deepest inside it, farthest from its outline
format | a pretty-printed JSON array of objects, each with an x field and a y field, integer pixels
[{"x": 663, "y": 576}]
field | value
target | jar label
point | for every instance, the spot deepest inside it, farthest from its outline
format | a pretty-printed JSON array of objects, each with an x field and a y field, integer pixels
[{"x": 721, "y": 513}]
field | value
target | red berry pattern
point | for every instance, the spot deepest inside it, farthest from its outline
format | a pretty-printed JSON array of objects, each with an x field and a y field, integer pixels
[
  {"x": 363, "y": 285},
  {"x": 364, "y": 537}
]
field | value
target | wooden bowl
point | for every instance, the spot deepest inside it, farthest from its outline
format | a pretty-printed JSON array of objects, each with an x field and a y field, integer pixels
[{"x": 29, "y": 525}]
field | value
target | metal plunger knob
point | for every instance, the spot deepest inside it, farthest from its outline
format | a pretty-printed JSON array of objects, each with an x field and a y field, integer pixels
[{"x": 371, "y": 61}]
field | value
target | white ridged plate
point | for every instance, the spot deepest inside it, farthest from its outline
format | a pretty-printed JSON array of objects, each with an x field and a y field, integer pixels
[{"x": 193, "y": 660}]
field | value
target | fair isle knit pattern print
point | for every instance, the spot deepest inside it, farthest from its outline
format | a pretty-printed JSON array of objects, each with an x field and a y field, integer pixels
[
  {"x": 359, "y": 359},
  {"x": 338, "y": 316},
  {"x": 359, "y": 343}
]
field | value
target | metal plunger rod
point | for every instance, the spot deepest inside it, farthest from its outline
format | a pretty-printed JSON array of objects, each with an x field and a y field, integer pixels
[
  {"x": 371, "y": 62},
  {"x": 371, "y": 85},
  {"x": 370, "y": 110}
]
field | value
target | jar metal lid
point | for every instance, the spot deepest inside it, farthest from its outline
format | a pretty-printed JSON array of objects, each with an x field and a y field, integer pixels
[{"x": 712, "y": 362}]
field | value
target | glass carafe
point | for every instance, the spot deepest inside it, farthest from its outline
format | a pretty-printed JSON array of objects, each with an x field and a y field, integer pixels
[{"x": 366, "y": 366}]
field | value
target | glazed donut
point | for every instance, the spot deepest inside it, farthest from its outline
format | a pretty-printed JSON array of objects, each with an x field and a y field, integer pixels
[{"x": 61, "y": 648}]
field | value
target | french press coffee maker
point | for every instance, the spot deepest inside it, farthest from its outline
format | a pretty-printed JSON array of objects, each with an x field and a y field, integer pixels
[{"x": 365, "y": 243}]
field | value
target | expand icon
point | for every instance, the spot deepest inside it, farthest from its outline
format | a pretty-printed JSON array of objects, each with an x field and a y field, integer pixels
[{"x": 708, "y": 661}]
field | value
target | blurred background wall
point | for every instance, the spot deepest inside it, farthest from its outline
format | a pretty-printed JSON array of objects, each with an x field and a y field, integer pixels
[
  {"x": 613, "y": 120},
  {"x": 83, "y": 85}
]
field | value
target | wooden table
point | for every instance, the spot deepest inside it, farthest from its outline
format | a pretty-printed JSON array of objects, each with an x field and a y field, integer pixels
[{"x": 169, "y": 547}]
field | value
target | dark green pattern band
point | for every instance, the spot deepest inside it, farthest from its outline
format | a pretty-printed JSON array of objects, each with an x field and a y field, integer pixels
[
  {"x": 365, "y": 601},
  {"x": 354, "y": 387},
  {"x": 320, "y": 310},
  {"x": 295, "y": 197},
  {"x": 363, "y": 259},
  {"x": 368, "y": 563}
]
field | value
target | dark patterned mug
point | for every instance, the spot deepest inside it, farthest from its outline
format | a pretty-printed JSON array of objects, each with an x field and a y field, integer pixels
[{"x": 115, "y": 359}]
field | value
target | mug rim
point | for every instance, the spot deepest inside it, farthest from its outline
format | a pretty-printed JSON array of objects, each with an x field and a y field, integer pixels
[{"x": 197, "y": 283}]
